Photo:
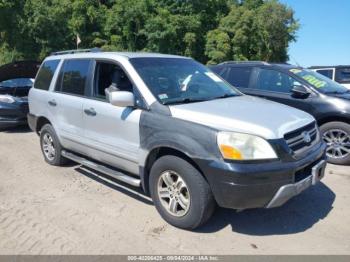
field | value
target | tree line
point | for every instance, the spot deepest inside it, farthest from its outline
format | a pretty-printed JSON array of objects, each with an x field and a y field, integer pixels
[{"x": 211, "y": 31}]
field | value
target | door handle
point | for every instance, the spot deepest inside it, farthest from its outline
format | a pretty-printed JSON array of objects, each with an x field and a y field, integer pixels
[
  {"x": 52, "y": 103},
  {"x": 90, "y": 112}
]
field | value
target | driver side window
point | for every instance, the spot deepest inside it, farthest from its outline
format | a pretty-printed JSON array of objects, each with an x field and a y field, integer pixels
[
  {"x": 108, "y": 75},
  {"x": 275, "y": 81}
]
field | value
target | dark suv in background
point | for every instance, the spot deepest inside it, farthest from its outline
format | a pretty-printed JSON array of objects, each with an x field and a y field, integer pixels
[{"x": 302, "y": 88}]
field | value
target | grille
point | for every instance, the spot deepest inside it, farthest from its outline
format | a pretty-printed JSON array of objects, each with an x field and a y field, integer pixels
[{"x": 303, "y": 138}]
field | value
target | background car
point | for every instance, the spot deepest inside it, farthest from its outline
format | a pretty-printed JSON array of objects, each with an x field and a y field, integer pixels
[
  {"x": 15, "y": 81},
  {"x": 340, "y": 74},
  {"x": 305, "y": 89}
]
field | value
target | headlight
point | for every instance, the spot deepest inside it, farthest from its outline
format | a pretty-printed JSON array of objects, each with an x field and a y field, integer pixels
[
  {"x": 238, "y": 146},
  {"x": 7, "y": 99}
]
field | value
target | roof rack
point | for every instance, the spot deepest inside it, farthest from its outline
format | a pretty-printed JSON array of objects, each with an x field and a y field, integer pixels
[
  {"x": 245, "y": 62},
  {"x": 76, "y": 51}
]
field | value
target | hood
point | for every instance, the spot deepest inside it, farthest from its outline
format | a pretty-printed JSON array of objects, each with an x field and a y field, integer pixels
[
  {"x": 244, "y": 114},
  {"x": 18, "y": 71}
]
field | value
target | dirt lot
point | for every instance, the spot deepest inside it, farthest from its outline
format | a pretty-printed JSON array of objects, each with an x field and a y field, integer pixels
[{"x": 70, "y": 210}]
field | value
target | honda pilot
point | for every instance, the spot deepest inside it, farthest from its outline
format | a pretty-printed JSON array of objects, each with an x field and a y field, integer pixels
[{"x": 169, "y": 125}]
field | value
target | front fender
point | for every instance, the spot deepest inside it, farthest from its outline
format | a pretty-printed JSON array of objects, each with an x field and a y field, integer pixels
[{"x": 195, "y": 140}]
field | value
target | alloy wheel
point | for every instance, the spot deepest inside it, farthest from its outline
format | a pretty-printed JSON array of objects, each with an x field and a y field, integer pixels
[
  {"x": 49, "y": 147},
  {"x": 173, "y": 193},
  {"x": 338, "y": 143}
]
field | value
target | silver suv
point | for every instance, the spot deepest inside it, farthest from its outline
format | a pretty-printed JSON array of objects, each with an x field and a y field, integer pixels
[{"x": 169, "y": 125}]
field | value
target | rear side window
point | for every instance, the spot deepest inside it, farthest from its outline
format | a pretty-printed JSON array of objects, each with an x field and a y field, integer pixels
[
  {"x": 73, "y": 77},
  {"x": 239, "y": 76},
  {"x": 343, "y": 75},
  {"x": 326, "y": 72},
  {"x": 45, "y": 75}
]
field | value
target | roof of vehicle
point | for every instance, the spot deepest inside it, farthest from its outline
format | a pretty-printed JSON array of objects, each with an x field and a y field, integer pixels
[
  {"x": 99, "y": 54},
  {"x": 19, "y": 69},
  {"x": 337, "y": 66}
]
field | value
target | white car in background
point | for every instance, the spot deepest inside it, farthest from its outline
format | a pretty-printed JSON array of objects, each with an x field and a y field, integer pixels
[{"x": 340, "y": 74}]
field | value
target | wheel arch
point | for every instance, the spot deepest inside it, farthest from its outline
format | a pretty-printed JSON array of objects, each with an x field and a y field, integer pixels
[
  {"x": 41, "y": 121},
  {"x": 328, "y": 119},
  {"x": 157, "y": 153}
]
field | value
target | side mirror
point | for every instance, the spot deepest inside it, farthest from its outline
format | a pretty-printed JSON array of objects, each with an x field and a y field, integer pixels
[
  {"x": 120, "y": 98},
  {"x": 300, "y": 91}
]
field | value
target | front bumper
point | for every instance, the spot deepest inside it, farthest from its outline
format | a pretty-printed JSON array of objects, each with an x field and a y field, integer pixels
[
  {"x": 286, "y": 192},
  {"x": 264, "y": 184},
  {"x": 13, "y": 114}
]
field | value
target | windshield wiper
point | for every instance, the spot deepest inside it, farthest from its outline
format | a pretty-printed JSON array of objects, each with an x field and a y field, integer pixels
[{"x": 184, "y": 101}]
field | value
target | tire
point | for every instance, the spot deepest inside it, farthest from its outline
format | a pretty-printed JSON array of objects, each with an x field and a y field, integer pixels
[
  {"x": 55, "y": 159},
  {"x": 200, "y": 200},
  {"x": 340, "y": 140}
]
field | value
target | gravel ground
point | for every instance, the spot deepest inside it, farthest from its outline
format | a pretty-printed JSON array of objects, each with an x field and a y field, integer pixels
[{"x": 71, "y": 210}]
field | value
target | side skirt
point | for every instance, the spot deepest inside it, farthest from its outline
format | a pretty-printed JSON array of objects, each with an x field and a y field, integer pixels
[{"x": 103, "y": 169}]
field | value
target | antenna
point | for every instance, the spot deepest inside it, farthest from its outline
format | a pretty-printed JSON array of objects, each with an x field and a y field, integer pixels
[{"x": 295, "y": 61}]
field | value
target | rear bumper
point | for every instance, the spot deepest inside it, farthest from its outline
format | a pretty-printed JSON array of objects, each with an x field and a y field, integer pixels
[
  {"x": 32, "y": 121},
  {"x": 266, "y": 184}
]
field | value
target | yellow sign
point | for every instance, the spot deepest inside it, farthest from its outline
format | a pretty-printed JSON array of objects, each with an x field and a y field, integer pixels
[{"x": 314, "y": 81}]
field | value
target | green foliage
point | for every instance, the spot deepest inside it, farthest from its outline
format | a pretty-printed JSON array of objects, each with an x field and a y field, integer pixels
[
  {"x": 210, "y": 31},
  {"x": 258, "y": 30}
]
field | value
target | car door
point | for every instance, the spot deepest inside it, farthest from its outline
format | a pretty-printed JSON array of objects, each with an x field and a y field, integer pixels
[
  {"x": 112, "y": 132},
  {"x": 66, "y": 103},
  {"x": 277, "y": 86}
]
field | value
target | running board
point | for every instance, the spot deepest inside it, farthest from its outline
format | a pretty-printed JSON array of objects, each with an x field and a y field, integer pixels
[{"x": 103, "y": 169}]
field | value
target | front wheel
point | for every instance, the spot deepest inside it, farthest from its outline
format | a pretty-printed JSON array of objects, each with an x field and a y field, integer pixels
[
  {"x": 337, "y": 137},
  {"x": 180, "y": 193}
]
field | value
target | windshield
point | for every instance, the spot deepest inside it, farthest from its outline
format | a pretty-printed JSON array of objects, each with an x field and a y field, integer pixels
[
  {"x": 181, "y": 80},
  {"x": 320, "y": 82},
  {"x": 18, "y": 82}
]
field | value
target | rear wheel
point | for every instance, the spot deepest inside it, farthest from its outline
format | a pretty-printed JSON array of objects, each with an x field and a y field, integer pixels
[
  {"x": 51, "y": 147},
  {"x": 337, "y": 137},
  {"x": 180, "y": 193}
]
